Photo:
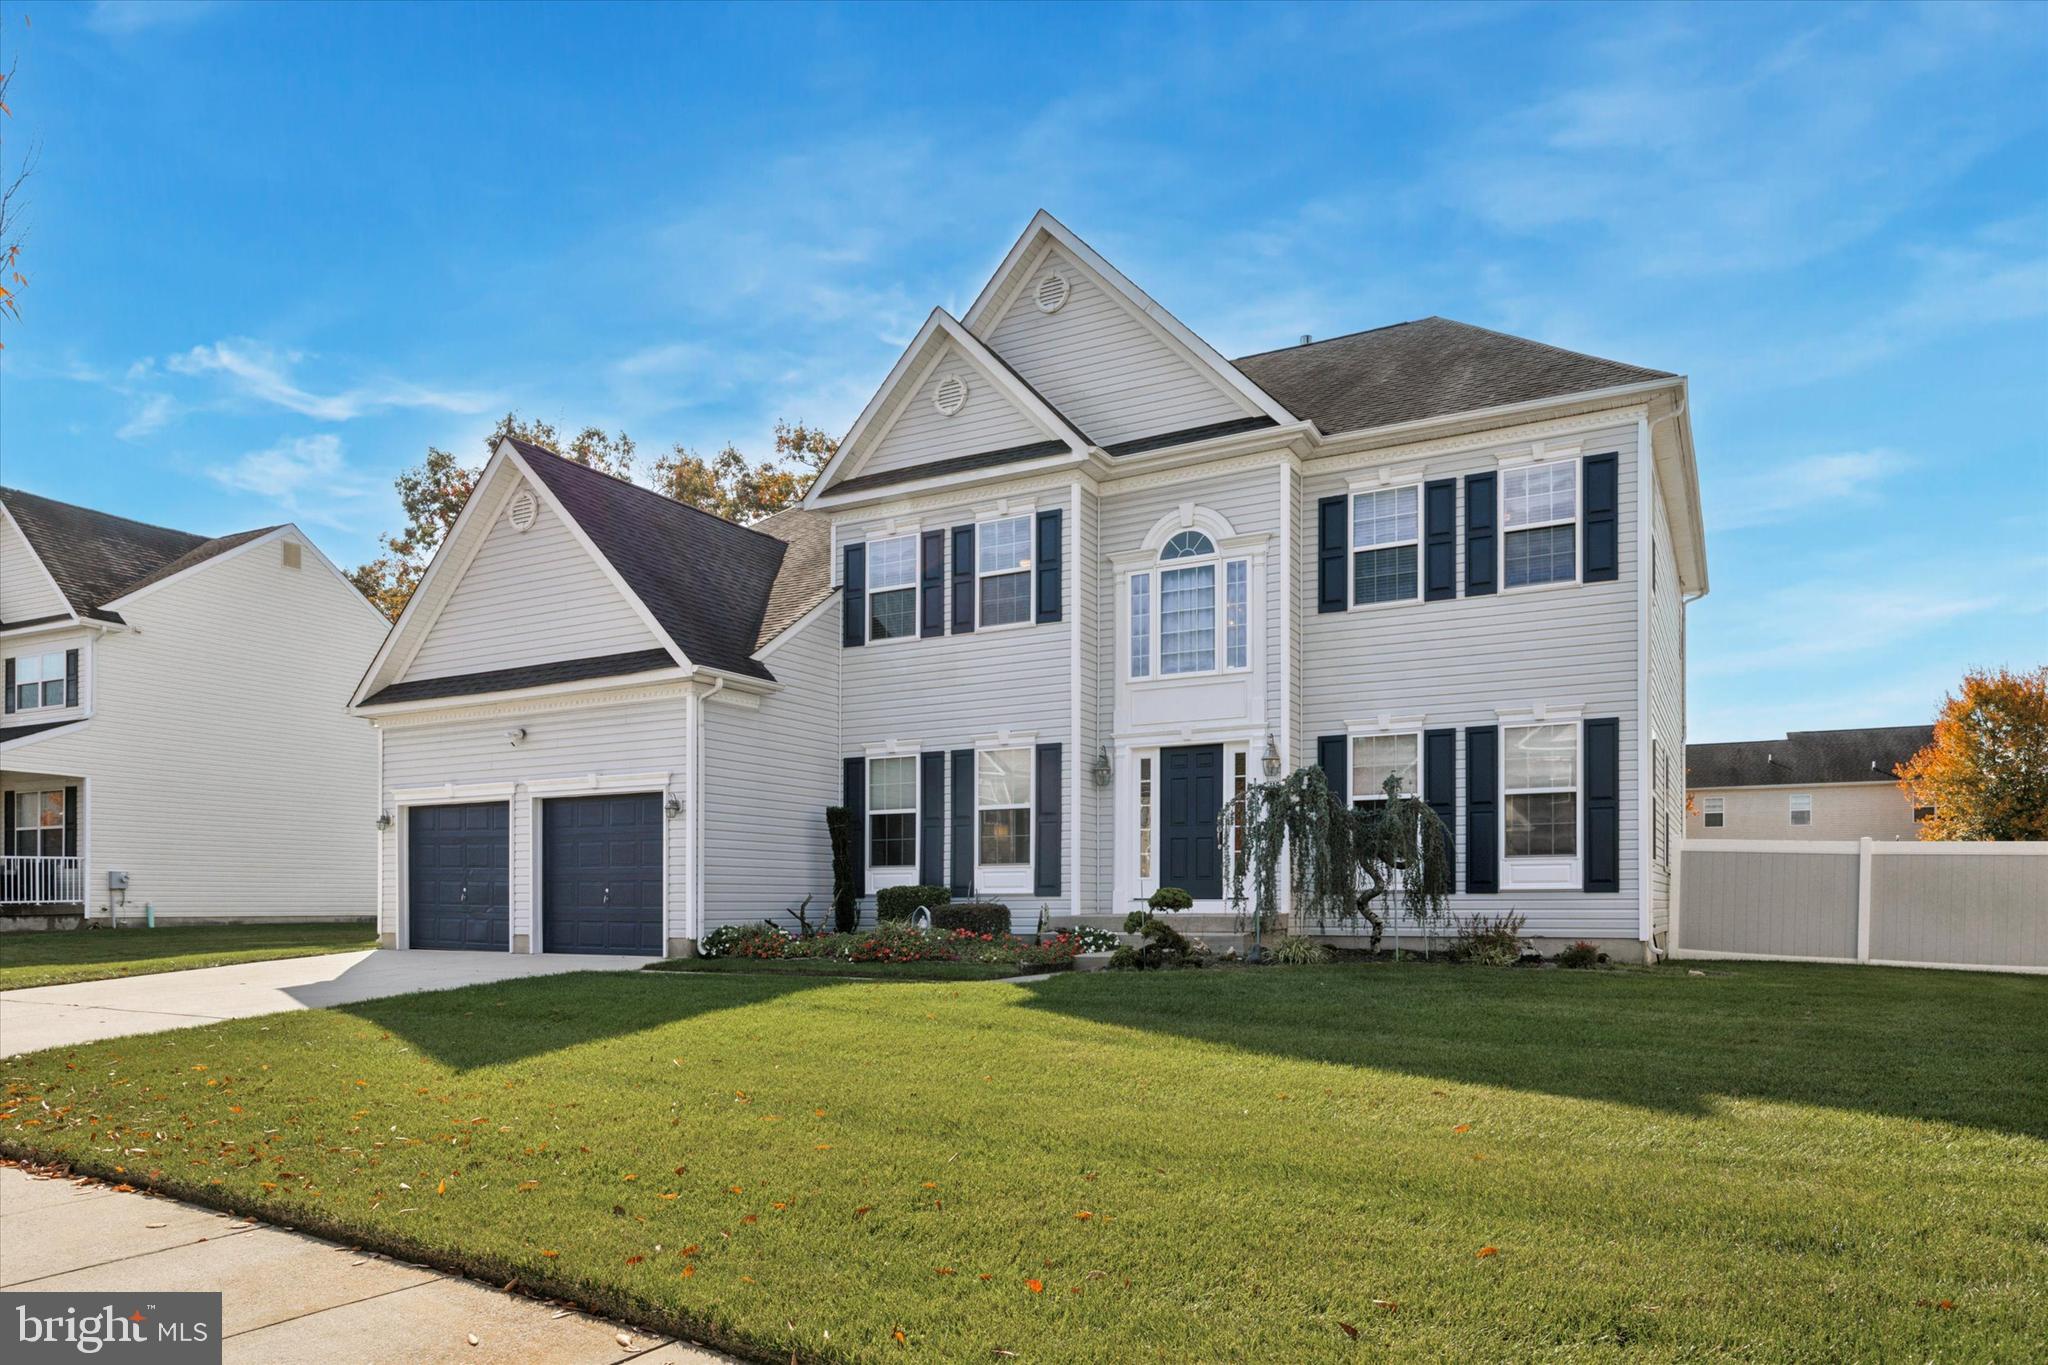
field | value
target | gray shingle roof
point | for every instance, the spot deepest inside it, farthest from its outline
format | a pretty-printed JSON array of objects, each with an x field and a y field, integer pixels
[
  {"x": 1430, "y": 368},
  {"x": 805, "y": 578},
  {"x": 14, "y": 732},
  {"x": 97, "y": 557},
  {"x": 1805, "y": 758},
  {"x": 952, "y": 464},
  {"x": 525, "y": 675},
  {"x": 705, "y": 579}
]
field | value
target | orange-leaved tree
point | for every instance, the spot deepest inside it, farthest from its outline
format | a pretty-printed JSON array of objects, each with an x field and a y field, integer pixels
[{"x": 1986, "y": 773}]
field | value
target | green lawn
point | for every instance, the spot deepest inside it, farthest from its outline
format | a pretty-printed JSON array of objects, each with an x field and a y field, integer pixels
[
  {"x": 826, "y": 966},
  {"x": 52, "y": 959},
  {"x": 1766, "y": 1162}
]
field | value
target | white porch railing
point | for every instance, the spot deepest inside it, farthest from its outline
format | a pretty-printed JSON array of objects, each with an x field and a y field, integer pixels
[{"x": 41, "y": 881}]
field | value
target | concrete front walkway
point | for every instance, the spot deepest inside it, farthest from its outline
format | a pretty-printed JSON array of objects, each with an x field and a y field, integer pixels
[
  {"x": 58, "y": 1016},
  {"x": 286, "y": 1297}
]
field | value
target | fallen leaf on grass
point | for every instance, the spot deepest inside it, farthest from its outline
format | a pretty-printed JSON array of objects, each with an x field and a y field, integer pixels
[
  {"x": 900, "y": 1338},
  {"x": 863, "y": 1210},
  {"x": 942, "y": 1270},
  {"x": 671, "y": 1196},
  {"x": 1462, "y": 1128},
  {"x": 1084, "y": 1215},
  {"x": 1485, "y": 1252},
  {"x": 523, "y": 1186},
  {"x": 551, "y": 1255},
  {"x": 688, "y": 1271},
  {"x": 1388, "y": 1304},
  {"x": 1348, "y": 1330},
  {"x": 635, "y": 1260},
  {"x": 1035, "y": 1286},
  {"x": 751, "y": 1219}
]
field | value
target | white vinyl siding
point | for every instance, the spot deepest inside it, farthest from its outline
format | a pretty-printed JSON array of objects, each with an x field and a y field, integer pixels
[
  {"x": 1106, "y": 371},
  {"x": 529, "y": 597},
  {"x": 920, "y": 433},
  {"x": 1461, "y": 663},
  {"x": 26, "y": 593}
]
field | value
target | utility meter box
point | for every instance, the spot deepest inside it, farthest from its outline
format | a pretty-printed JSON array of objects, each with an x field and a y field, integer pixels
[{"x": 117, "y": 881}]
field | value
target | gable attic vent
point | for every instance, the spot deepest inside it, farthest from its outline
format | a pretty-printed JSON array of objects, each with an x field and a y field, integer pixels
[
  {"x": 524, "y": 510},
  {"x": 1052, "y": 293},
  {"x": 951, "y": 395},
  {"x": 291, "y": 553}
]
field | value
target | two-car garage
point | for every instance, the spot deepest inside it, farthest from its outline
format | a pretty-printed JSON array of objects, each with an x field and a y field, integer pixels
[{"x": 599, "y": 874}]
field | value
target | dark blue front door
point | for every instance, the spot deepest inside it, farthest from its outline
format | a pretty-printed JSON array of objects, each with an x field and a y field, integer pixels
[
  {"x": 1193, "y": 799},
  {"x": 601, "y": 875},
  {"x": 458, "y": 876}
]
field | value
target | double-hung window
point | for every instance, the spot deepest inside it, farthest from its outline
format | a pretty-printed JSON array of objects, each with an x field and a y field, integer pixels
[
  {"x": 1202, "y": 621},
  {"x": 1714, "y": 812},
  {"x": 892, "y": 588},
  {"x": 1540, "y": 518},
  {"x": 892, "y": 812},
  {"x": 1003, "y": 568},
  {"x": 1003, "y": 803},
  {"x": 1541, "y": 775},
  {"x": 38, "y": 681},
  {"x": 1375, "y": 758},
  {"x": 38, "y": 825},
  {"x": 1385, "y": 541},
  {"x": 1801, "y": 808}
]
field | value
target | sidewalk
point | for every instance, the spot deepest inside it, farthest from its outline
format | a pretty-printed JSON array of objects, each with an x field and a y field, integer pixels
[{"x": 288, "y": 1298}]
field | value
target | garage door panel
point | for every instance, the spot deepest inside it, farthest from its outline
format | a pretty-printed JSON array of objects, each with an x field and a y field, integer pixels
[
  {"x": 458, "y": 876},
  {"x": 601, "y": 869}
]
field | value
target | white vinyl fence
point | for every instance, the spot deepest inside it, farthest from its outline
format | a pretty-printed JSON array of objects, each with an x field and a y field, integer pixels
[{"x": 1968, "y": 907}]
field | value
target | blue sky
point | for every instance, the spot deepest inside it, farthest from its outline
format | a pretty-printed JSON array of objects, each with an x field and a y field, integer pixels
[{"x": 277, "y": 252}]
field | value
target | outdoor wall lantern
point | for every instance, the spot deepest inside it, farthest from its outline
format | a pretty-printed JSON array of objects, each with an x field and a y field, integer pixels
[
  {"x": 383, "y": 820},
  {"x": 674, "y": 805},
  {"x": 1102, "y": 771},
  {"x": 1271, "y": 762}
]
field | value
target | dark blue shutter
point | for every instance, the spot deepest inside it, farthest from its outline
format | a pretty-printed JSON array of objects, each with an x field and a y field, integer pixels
[
  {"x": 70, "y": 679},
  {"x": 1047, "y": 840},
  {"x": 10, "y": 711},
  {"x": 1049, "y": 565},
  {"x": 1440, "y": 540},
  {"x": 931, "y": 585},
  {"x": 1333, "y": 756},
  {"x": 854, "y": 796},
  {"x": 1440, "y": 784},
  {"x": 7, "y": 826},
  {"x": 853, "y": 603},
  {"x": 963, "y": 580},
  {"x": 1333, "y": 587},
  {"x": 931, "y": 816},
  {"x": 1601, "y": 526},
  {"x": 963, "y": 822},
  {"x": 1603, "y": 805},
  {"x": 1482, "y": 808},
  {"x": 1480, "y": 514},
  {"x": 71, "y": 822}
]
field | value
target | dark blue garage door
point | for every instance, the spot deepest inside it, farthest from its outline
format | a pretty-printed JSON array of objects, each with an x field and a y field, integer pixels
[
  {"x": 601, "y": 875},
  {"x": 458, "y": 876}
]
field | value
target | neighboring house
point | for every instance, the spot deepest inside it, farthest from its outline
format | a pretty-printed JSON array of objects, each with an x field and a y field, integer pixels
[
  {"x": 173, "y": 716},
  {"x": 1071, "y": 581},
  {"x": 1812, "y": 784}
]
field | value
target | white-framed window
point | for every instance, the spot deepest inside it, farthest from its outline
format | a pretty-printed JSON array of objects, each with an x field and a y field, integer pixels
[
  {"x": 1145, "y": 816},
  {"x": 892, "y": 588},
  {"x": 38, "y": 825},
  {"x": 1240, "y": 780},
  {"x": 1541, "y": 783},
  {"x": 1540, "y": 524},
  {"x": 892, "y": 812},
  {"x": 1799, "y": 808},
  {"x": 1002, "y": 799},
  {"x": 1713, "y": 812},
  {"x": 1203, "y": 620},
  {"x": 1386, "y": 542},
  {"x": 1375, "y": 758},
  {"x": 1002, "y": 551},
  {"x": 38, "y": 680}
]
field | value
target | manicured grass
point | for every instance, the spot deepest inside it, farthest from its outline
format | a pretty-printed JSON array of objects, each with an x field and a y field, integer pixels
[
  {"x": 1768, "y": 1162},
  {"x": 51, "y": 959},
  {"x": 825, "y": 966}
]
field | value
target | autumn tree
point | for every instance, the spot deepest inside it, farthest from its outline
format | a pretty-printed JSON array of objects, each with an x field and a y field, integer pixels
[
  {"x": 1986, "y": 773},
  {"x": 432, "y": 493},
  {"x": 11, "y": 183}
]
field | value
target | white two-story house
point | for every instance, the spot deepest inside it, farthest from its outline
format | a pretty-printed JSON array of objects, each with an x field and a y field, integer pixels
[
  {"x": 1071, "y": 581},
  {"x": 173, "y": 741}
]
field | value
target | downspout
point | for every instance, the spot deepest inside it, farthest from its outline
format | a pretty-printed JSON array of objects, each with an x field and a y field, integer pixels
[{"x": 696, "y": 812}]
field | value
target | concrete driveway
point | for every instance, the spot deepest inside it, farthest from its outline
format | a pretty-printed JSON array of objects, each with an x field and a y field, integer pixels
[{"x": 58, "y": 1016}]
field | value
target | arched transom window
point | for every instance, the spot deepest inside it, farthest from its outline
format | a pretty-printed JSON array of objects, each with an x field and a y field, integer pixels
[{"x": 1191, "y": 612}]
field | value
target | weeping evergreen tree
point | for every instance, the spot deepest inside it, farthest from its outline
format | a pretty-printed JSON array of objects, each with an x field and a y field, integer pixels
[{"x": 1343, "y": 864}]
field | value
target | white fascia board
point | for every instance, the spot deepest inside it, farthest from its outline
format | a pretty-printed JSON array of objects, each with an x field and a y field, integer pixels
[
  {"x": 653, "y": 676},
  {"x": 24, "y": 741},
  {"x": 70, "y": 621},
  {"x": 1044, "y": 224},
  {"x": 895, "y": 492},
  {"x": 1423, "y": 428}
]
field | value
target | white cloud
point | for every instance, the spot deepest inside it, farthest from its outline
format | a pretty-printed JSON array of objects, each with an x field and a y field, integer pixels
[
  {"x": 121, "y": 18},
  {"x": 304, "y": 475},
  {"x": 256, "y": 371},
  {"x": 151, "y": 414},
  {"x": 1798, "y": 488}
]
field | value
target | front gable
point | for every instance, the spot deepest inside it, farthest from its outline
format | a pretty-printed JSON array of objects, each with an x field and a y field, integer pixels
[{"x": 26, "y": 591}]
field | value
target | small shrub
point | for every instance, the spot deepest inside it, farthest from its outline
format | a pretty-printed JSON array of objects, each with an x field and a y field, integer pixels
[
  {"x": 1296, "y": 951},
  {"x": 746, "y": 940},
  {"x": 1125, "y": 959},
  {"x": 1089, "y": 939},
  {"x": 899, "y": 903},
  {"x": 982, "y": 917},
  {"x": 1489, "y": 942},
  {"x": 1171, "y": 898},
  {"x": 1164, "y": 946},
  {"x": 1580, "y": 954}
]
